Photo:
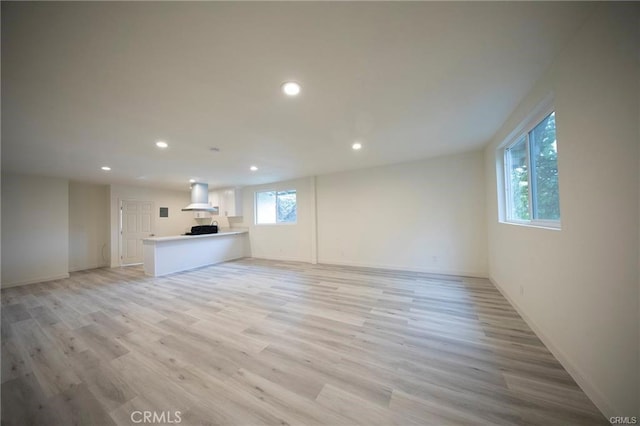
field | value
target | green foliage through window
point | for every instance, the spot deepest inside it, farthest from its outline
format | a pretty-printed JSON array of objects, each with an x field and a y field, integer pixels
[
  {"x": 276, "y": 207},
  {"x": 531, "y": 165},
  {"x": 286, "y": 206}
]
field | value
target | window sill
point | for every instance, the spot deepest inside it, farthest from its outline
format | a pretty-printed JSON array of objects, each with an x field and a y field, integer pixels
[
  {"x": 539, "y": 225},
  {"x": 276, "y": 224}
]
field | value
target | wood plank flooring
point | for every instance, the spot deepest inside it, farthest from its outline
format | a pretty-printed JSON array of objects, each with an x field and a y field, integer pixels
[{"x": 255, "y": 342}]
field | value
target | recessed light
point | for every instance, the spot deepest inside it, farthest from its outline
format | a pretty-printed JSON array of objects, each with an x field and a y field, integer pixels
[
  {"x": 192, "y": 181},
  {"x": 291, "y": 88},
  {"x": 356, "y": 146},
  {"x": 253, "y": 168},
  {"x": 162, "y": 144},
  {"x": 105, "y": 168}
]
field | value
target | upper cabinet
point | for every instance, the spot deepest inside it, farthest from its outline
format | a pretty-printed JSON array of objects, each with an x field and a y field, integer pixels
[
  {"x": 228, "y": 200},
  {"x": 214, "y": 198}
]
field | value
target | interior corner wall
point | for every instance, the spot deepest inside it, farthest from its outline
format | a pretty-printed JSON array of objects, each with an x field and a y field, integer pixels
[
  {"x": 35, "y": 229},
  {"x": 426, "y": 215},
  {"x": 177, "y": 223},
  {"x": 292, "y": 242},
  {"x": 88, "y": 226},
  {"x": 578, "y": 287}
]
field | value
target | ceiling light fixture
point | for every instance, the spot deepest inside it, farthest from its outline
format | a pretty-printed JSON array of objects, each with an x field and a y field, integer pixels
[
  {"x": 162, "y": 144},
  {"x": 105, "y": 168},
  {"x": 291, "y": 88},
  {"x": 356, "y": 146},
  {"x": 192, "y": 181},
  {"x": 253, "y": 168}
]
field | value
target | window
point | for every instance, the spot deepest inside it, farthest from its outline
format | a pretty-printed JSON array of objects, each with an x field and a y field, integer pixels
[
  {"x": 531, "y": 176},
  {"x": 276, "y": 207}
]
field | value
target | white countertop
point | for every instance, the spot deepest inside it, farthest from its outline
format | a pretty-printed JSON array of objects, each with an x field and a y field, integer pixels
[{"x": 153, "y": 240}]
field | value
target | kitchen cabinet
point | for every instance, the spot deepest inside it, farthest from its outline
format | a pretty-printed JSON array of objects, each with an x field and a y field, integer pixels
[
  {"x": 167, "y": 255},
  {"x": 214, "y": 198},
  {"x": 230, "y": 202}
]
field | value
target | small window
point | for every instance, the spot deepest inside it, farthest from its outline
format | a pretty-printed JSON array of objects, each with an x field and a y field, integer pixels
[
  {"x": 276, "y": 207},
  {"x": 531, "y": 176}
]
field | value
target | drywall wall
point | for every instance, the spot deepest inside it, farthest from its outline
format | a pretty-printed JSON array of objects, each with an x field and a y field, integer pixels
[
  {"x": 578, "y": 287},
  {"x": 290, "y": 241},
  {"x": 177, "y": 223},
  {"x": 88, "y": 226},
  {"x": 35, "y": 229},
  {"x": 426, "y": 215}
]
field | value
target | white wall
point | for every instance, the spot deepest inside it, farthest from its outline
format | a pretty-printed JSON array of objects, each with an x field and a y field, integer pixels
[
  {"x": 177, "y": 223},
  {"x": 426, "y": 215},
  {"x": 283, "y": 241},
  {"x": 88, "y": 226},
  {"x": 35, "y": 229},
  {"x": 580, "y": 285}
]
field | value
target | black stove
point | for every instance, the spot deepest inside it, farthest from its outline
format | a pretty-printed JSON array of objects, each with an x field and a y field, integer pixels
[{"x": 203, "y": 230}]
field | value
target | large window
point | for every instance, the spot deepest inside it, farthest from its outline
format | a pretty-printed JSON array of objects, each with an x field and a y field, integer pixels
[
  {"x": 276, "y": 207},
  {"x": 531, "y": 176}
]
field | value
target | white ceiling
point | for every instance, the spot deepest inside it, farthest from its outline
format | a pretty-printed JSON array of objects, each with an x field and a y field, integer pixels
[{"x": 92, "y": 84}]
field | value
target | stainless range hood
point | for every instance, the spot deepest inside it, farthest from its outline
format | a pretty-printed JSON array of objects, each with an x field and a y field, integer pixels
[{"x": 199, "y": 199}]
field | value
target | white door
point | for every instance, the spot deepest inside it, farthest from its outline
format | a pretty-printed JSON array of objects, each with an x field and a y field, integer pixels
[{"x": 136, "y": 223}]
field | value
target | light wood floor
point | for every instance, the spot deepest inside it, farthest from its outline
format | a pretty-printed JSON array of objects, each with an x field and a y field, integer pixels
[{"x": 260, "y": 342}]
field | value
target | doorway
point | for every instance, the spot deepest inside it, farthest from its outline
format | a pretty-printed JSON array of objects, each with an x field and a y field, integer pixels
[{"x": 136, "y": 223}]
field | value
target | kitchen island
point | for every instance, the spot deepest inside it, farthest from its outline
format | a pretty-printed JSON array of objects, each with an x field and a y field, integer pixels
[{"x": 167, "y": 255}]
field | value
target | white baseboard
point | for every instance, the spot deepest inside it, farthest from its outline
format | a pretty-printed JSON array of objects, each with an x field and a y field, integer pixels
[
  {"x": 281, "y": 258},
  {"x": 470, "y": 274},
  {"x": 34, "y": 281},
  {"x": 86, "y": 267},
  {"x": 592, "y": 391}
]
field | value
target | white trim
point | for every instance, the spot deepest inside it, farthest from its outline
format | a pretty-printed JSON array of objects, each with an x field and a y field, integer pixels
[
  {"x": 400, "y": 268},
  {"x": 87, "y": 267},
  {"x": 255, "y": 207},
  {"x": 392, "y": 268},
  {"x": 540, "y": 111},
  {"x": 550, "y": 225},
  {"x": 314, "y": 220},
  {"x": 543, "y": 109},
  {"x": 120, "y": 209},
  {"x": 119, "y": 230},
  {"x": 34, "y": 281},
  {"x": 281, "y": 258},
  {"x": 276, "y": 224},
  {"x": 592, "y": 391},
  {"x": 506, "y": 168}
]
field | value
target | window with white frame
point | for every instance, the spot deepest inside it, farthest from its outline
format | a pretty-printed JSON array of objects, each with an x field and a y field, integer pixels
[
  {"x": 531, "y": 175},
  {"x": 276, "y": 207}
]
